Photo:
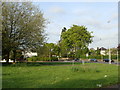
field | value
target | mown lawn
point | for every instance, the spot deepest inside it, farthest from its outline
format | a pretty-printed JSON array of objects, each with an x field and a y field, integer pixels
[{"x": 90, "y": 75}]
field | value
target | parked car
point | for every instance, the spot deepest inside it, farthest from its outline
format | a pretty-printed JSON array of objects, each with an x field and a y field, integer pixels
[
  {"x": 76, "y": 59},
  {"x": 107, "y": 60},
  {"x": 93, "y": 60}
]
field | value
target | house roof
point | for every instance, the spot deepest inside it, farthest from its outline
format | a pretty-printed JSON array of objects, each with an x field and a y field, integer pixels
[{"x": 102, "y": 48}]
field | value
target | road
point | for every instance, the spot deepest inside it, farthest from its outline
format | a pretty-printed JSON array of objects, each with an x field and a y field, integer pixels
[
  {"x": 103, "y": 62},
  {"x": 95, "y": 62}
]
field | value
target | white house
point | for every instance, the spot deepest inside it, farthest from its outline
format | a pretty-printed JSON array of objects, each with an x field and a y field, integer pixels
[
  {"x": 29, "y": 54},
  {"x": 103, "y": 51}
]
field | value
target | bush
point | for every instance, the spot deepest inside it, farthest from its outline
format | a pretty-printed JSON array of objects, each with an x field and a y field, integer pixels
[
  {"x": 34, "y": 58},
  {"x": 54, "y": 58}
]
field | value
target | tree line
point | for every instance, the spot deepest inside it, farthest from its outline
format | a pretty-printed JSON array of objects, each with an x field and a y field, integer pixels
[
  {"x": 73, "y": 43},
  {"x": 23, "y": 30}
]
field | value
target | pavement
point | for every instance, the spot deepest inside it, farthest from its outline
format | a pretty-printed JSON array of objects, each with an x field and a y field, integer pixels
[{"x": 103, "y": 62}]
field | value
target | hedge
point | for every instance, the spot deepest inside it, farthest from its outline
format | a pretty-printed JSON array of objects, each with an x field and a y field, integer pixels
[{"x": 34, "y": 58}]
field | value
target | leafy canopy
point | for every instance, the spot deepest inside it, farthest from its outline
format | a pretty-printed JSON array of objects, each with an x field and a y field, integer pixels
[
  {"x": 76, "y": 39},
  {"x": 22, "y": 26}
]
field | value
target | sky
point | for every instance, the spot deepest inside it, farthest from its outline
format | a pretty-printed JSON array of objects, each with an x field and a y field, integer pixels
[{"x": 99, "y": 17}]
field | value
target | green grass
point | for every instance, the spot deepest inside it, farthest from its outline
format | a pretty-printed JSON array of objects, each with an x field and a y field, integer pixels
[
  {"x": 39, "y": 63},
  {"x": 78, "y": 76}
]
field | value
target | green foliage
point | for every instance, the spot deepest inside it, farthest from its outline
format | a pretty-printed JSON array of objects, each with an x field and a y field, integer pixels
[
  {"x": 94, "y": 56},
  {"x": 54, "y": 58},
  {"x": 34, "y": 58},
  {"x": 49, "y": 50},
  {"x": 112, "y": 56},
  {"x": 49, "y": 47},
  {"x": 22, "y": 27},
  {"x": 18, "y": 55},
  {"x": 84, "y": 57},
  {"x": 76, "y": 39}
]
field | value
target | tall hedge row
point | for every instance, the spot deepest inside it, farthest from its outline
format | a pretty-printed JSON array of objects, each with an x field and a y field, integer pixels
[{"x": 34, "y": 58}]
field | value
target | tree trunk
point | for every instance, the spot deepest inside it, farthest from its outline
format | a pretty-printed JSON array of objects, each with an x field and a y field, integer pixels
[
  {"x": 14, "y": 55},
  {"x": 7, "y": 57}
]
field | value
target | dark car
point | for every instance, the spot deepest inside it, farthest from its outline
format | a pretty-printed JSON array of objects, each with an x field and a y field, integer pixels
[
  {"x": 76, "y": 59},
  {"x": 107, "y": 60},
  {"x": 93, "y": 60}
]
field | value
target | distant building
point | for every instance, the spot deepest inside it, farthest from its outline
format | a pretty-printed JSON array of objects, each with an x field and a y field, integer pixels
[
  {"x": 29, "y": 54},
  {"x": 102, "y": 51}
]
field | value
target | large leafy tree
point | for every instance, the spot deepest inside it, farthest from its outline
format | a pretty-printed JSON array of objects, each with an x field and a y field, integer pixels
[
  {"x": 76, "y": 39},
  {"x": 56, "y": 50},
  {"x": 49, "y": 47},
  {"x": 22, "y": 27}
]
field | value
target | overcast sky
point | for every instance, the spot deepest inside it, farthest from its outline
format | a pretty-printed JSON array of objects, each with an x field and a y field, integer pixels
[{"x": 101, "y": 18}]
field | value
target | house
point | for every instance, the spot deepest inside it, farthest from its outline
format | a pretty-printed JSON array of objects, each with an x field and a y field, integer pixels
[
  {"x": 29, "y": 54},
  {"x": 102, "y": 51}
]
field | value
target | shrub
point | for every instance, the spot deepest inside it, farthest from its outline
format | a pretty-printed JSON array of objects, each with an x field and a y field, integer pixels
[
  {"x": 54, "y": 58},
  {"x": 34, "y": 58}
]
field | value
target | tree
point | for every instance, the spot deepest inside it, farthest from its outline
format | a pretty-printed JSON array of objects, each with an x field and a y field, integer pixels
[
  {"x": 92, "y": 51},
  {"x": 113, "y": 51},
  {"x": 22, "y": 27},
  {"x": 48, "y": 50},
  {"x": 118, "y": 48},
  {"x": 56, "y": 50},
  {"x": 98, "y": 51},
  {"x": 50, "y": 47},
  {"x": 76, "y": 39}
]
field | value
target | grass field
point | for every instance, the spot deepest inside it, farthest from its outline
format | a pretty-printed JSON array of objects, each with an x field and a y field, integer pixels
[{"x": 90, "y": 75}]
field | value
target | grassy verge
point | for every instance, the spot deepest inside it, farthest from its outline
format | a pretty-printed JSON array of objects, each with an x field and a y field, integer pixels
[{"x": 90, "y": 75}]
